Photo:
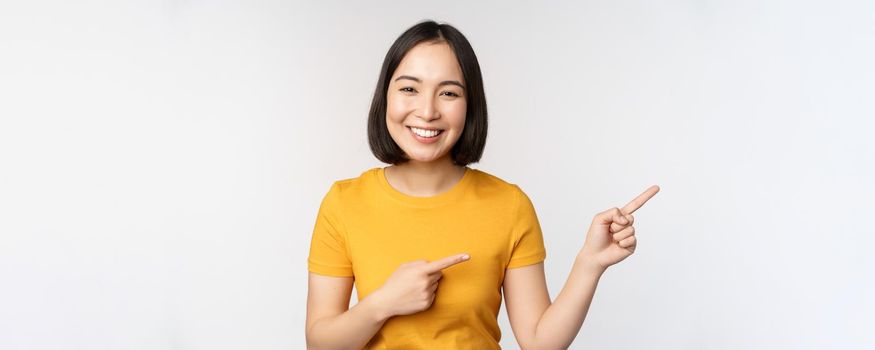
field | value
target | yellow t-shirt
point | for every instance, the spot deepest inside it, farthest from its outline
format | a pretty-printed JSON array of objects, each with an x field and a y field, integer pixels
[{"x": 366, "y": 228}]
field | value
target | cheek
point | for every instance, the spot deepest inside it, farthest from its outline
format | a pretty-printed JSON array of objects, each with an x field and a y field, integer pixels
[
  {"x": 396, "y": 109},
  {"x": 458, "y": 112}
]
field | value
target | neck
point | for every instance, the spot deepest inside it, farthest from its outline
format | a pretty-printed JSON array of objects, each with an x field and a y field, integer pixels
[{"x": 424, "y": 179}]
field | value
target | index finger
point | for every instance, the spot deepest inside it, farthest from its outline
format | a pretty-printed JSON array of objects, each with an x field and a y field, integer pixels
[
  {"x": 441, "y": 264},
  {"x": 636, "y": 203}
]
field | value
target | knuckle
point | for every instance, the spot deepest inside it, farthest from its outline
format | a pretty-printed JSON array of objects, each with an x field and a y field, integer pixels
[
  {"x": 414, "y": 262},
  {"x": 607, "y": 214}
]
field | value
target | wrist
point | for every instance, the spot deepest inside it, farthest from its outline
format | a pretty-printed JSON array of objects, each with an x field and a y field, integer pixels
[
  {"x": 377, "y": 307},
  {"x": 589, "y": 264}
]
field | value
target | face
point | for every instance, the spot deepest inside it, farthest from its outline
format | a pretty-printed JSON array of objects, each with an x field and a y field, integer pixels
[{"x": 425, "y": 103}]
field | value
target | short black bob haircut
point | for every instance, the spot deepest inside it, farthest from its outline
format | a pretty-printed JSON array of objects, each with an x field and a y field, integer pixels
[{"x": 469, "y": 147}]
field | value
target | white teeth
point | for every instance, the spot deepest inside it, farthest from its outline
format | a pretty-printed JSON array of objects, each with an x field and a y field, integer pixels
[{"x": 425, "y": 133}]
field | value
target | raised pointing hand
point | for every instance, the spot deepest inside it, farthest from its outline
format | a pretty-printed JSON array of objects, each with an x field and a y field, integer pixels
[
  {"x": 611, "y": 237},
  {"x": 642, "y": 198}
]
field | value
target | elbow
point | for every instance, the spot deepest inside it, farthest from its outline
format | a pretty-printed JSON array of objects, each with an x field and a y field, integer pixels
[
  {"x": 533, "y": 343},
  {"x": 312, "y": 345},
  {"x": 543, "y": 346},
  {"x": 531, "y": 346},
  {"x": 316, "y": 342},
  {"x": 526, "y": 346},
  {"x": 310, "y": 337},
  {"x": 540, "y": 347},
  {"x": 528, "y": 342}
]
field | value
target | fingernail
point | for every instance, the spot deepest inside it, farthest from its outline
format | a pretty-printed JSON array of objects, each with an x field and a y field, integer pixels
[{"x": 465, "y": 257}]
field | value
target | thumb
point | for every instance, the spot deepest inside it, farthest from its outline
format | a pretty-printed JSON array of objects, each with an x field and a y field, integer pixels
[{"x": 610, "y": 216}]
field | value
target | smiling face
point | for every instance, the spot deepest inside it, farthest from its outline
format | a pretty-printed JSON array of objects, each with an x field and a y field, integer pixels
[{"x": 425, "y": 102}]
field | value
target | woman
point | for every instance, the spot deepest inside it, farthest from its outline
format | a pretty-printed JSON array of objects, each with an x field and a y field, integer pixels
[{"x": 429, "y": 241}]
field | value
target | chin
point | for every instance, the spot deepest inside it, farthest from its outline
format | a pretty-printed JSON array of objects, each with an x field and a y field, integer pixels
[{"x": 423, "y": 159}]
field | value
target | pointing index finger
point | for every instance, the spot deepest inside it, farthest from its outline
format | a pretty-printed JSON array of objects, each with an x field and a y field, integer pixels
[
  {"x": 636, "y": 203},
  {"x": 441, "y": 264}
]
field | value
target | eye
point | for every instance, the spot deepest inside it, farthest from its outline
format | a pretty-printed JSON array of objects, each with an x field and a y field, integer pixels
[
  {"x": 407, "y": 89},
  {"x": 453, "y": 94}
]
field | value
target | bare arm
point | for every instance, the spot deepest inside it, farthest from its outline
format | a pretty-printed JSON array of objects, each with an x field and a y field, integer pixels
[
  {"x": 331, "y": 324},
  {"x": 561, "y": 322},
  {"x": 410, "y": 289},
  {"x": 537, "y": 322}
]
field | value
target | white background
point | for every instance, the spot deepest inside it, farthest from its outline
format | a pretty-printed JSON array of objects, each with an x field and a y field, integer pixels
[{"x": 162, "y": 162}]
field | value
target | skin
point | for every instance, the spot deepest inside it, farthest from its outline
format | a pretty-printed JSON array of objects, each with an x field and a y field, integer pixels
[
  {"x": 539, "y": 324},
  {"x": 426, "y": 90},
  {"x": 418, "y": 95}
]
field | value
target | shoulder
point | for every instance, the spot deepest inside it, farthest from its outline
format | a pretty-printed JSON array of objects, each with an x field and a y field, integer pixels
[
  {"x": 346, "y": 187},
  {"x": 488, "y": 183},
  {"x": 509, "y": 193}
]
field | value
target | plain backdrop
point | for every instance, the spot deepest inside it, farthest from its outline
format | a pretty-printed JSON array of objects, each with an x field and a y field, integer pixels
[{"x": 162, "y": 162}]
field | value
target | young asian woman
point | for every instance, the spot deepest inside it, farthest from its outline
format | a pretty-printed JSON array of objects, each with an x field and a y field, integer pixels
[{"x": 429, "y": 242}]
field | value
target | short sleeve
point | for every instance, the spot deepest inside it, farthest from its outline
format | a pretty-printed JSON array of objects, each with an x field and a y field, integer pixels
[
  {"x": 328, "y": 250},
  {"x": 528, "y": 247}
]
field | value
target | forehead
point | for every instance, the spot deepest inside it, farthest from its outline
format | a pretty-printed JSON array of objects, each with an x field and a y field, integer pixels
[{"x": 430, "y": 61}]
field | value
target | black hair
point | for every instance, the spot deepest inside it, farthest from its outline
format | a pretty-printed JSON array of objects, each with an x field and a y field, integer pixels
[{"x": 469, "y": 147}]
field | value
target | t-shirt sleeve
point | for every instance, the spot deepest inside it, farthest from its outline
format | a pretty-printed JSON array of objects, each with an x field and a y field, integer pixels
[
  {"x": 528, "y": 247},
  {"x": 328, "y": 247}
]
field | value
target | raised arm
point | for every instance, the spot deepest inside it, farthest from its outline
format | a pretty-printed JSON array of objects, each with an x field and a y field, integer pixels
[{"x": 539, "y": 324}]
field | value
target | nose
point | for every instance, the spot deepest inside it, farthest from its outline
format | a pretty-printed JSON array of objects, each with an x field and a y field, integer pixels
[{"x": 428, "y": 111}]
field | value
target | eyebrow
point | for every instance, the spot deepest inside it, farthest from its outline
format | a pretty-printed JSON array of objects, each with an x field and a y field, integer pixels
[{"x": 445, "y": 82}]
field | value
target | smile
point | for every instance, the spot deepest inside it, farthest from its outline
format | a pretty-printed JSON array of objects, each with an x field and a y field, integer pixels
[
  {"x": 425, "y": 133},
  {"x": 425, "y": 137}
]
